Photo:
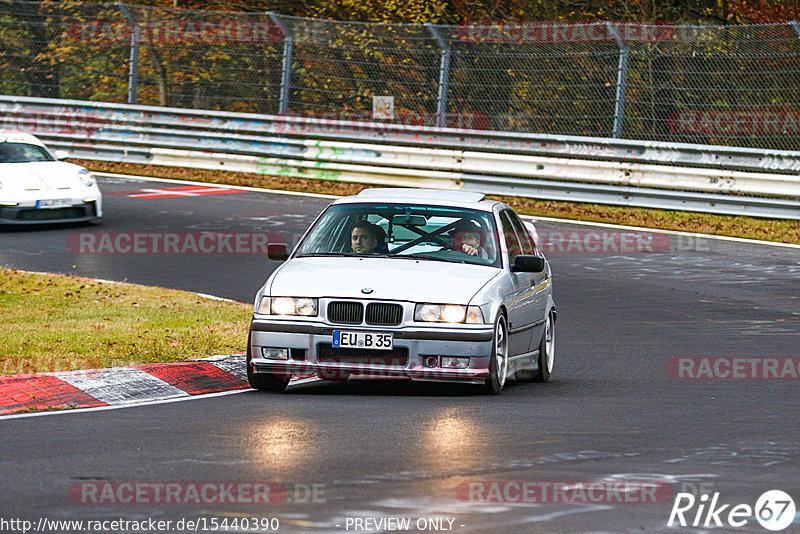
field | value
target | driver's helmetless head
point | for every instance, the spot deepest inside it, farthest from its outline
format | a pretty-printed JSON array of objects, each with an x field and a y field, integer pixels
[{"x": 362, "y": 239}]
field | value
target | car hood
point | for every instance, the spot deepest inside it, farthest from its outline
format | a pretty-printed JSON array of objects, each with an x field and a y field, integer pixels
[
  {"x": 388, "y": 278},
  {"x": 39, "y": 176}
]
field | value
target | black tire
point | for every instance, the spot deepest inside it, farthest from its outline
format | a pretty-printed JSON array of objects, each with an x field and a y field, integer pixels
[
  {"x": 498, "y": 364},
  {"x": 263, "y": 381},
  {"x": 546, "y": 352}
]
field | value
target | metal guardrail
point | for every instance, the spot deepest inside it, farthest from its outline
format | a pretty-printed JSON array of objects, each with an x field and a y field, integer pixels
[{"x": 711, "y": 179}]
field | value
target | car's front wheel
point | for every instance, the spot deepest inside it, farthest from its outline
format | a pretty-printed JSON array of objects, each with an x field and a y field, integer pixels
[
  {"x": 498, "y": 364},
  {"x": 263, "y": 381}
]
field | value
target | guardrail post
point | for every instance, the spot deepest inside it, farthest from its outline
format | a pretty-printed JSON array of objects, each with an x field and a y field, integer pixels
[
  {"x": 286, "y": 65},
  {"x": 444, "y": 76},
  {"x": 133, "y": 67},
  {"x": 622, "y": 81}
]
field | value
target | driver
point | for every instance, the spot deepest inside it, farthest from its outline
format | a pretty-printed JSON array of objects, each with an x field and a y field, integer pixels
[
  {"x": 363, "y": 238},
  {"x": 467, "y": 239}
]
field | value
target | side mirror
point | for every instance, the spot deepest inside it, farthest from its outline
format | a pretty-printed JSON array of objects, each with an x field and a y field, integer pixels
[
  {"x": 277, "y": 251},
  {"x": 528, "y": 263},
  {"x": 61, "y": 155}
]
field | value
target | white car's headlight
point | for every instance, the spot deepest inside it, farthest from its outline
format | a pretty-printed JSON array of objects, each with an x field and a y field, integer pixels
[
  {"x": 448, "y": 313},
  {"x": 86, "y": 178},
  {"x": 288, "y": 306}
]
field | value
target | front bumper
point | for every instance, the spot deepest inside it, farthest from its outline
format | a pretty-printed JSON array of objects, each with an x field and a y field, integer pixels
[
  {"x": 310, "y": 350},
  {"x": 79, "y": 211}
]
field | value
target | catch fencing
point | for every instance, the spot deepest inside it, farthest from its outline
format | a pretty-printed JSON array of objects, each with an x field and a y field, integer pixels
[{"x": 736, "y": 85}]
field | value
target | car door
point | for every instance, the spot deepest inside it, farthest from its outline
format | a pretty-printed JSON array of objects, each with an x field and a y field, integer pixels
[
  {"x": 520, "y": 303},
  {"x": 540, "y": 282}
]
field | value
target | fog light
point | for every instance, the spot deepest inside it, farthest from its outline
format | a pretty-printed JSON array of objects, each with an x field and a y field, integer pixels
[
  {"x": 454, "y": 363},
  {"x": 431, "y": 361},
  {"x": 270, "y": 353}
]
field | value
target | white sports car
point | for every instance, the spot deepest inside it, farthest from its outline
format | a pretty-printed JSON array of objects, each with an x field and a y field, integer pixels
[
  {"x": 408, "y": 284},
  {"x": 37, "y": 187}
]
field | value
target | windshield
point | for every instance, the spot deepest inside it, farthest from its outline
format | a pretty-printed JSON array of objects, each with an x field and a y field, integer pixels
[
  {"x": 22, "y": 153},
  {"x": 404, "y": 231}
]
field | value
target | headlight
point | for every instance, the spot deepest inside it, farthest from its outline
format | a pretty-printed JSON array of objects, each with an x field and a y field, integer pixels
[
  {"x": 86, "y": 178},
  {"x": 447, "y": 313},
  {"x": 288, "y": 306}
]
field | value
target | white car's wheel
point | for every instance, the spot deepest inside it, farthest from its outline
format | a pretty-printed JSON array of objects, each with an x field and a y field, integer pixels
[{"x": 498, "y": 364}]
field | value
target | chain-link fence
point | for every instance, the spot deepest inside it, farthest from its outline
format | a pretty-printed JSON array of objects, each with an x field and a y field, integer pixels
[{"x": 731, "y": 85}]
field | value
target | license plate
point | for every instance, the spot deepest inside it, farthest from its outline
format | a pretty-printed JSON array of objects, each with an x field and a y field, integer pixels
[
  {"x": 362, "y": 340},
  {"x": 54, "y": 203}
]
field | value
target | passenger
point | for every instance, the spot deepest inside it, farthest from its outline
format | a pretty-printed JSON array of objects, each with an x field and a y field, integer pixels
[{"x": 363, "y": 238}]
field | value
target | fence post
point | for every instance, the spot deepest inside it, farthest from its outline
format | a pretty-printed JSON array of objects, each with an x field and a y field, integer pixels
[
  {"x": 444, "y": 76},
  {"x": 133, "y": 69},
  {"x": 286, "y": 65},
  {"x": 622, "y": 81}
]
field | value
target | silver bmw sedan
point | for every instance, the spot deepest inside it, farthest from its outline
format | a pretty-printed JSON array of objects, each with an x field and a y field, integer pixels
[{"x": 430, "y": 285}]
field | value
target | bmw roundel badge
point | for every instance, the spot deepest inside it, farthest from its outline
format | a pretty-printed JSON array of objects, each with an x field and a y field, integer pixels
[{"x": 367, "y": 290}]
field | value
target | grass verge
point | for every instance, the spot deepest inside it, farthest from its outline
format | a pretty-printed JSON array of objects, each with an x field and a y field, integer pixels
[
  {"x": 778, "y": 230},
  {"x": 60, "y": 323}
]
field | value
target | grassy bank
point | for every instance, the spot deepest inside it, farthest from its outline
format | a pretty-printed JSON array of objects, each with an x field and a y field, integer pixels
[
  {"x": 746, "y": 227},
  {"x": 60, "y": 322}
]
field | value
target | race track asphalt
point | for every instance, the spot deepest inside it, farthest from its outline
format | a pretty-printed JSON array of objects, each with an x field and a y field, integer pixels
[{"x": 614, "y": 412}]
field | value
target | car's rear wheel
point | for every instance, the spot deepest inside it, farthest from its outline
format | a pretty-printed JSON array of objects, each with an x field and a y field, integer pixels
[
  {"x": 547, "y": 350},
  {"x": 498, "y": 364},
  {"x": 263, "y": 381}
]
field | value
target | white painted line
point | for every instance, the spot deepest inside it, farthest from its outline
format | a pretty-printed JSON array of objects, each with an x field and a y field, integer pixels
[
  {"x": 530, "y": 217},
  {"x": 103, "y": 281},
  {"x": 660, "y": 231},
  {"x": 214, "y": 297},
  {"x": 120, "y": 406},
  {"x": 118, "y": 385}
]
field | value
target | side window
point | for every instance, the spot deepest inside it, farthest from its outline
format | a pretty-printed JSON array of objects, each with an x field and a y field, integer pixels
[
  {"x": 510, "y": 237},
  {"x": 528, "y": 247}
]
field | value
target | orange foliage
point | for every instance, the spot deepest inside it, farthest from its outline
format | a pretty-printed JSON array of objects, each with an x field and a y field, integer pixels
[{"x": 765, "y": 11}]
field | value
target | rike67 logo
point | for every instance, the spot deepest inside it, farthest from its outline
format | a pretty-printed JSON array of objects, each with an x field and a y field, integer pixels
[{"x": 774, "y": 510}]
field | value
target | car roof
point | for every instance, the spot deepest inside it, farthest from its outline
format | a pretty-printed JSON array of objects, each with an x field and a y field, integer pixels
[
  {"x": 10, "y": 136},
  {"x": 433, "y": 197}
]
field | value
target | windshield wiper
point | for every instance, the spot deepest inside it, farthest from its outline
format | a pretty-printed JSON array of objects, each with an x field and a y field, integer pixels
[
  {"x": 424, "y": 257},
  {"x": 322, "y": 254}
]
